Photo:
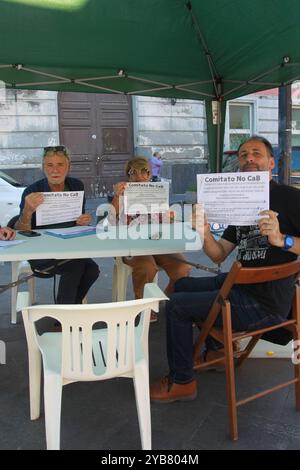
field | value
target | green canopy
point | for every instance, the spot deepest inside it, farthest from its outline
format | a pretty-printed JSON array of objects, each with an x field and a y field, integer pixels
[{"x": 214, "y": 50}]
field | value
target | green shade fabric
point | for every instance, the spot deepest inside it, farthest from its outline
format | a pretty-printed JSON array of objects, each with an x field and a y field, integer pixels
[{"x": 197, "y": 49}]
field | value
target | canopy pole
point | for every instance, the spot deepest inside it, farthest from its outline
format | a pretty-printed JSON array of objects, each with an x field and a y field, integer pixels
[
  {"x": 215, "y": 119},
  {"x": 284, "y": 132},
  {"x": 219, "y": 140},
  {"x": 212, "y": 67},
  {"x": 218, "y": 164}
]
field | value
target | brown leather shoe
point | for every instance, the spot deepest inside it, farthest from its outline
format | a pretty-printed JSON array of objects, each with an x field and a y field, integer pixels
[{"x": 164, "y": 391}]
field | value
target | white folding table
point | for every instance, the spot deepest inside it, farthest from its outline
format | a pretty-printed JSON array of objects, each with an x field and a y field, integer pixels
[{"x": 116, "y": 242}]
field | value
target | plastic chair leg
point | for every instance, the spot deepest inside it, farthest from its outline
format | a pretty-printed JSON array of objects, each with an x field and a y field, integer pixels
[
  {"x": 31, "y": 288},
  {"x": 141, "y": 388},
  {"x": 14, "y": 291},
  {"x": 119, "y": 282},
  {"x": 122, "y": 280},
  {"x": 35, "y": 370},
  {"x": 52, "y": 404}
]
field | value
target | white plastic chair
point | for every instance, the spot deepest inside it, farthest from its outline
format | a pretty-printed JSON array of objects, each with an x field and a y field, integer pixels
[
  {"x": 18, "y": 268},
  {"x": 121, "y": 274},
  {"x": 80, "y": 353}
]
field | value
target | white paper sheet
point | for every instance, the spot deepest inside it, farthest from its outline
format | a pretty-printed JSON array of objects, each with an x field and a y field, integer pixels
[
  {"x": 59, "y": 207},
  {"x": 234, "y": 198},
  {"x": 10, "y": 243},
  {"x": 146, "y": 198}
]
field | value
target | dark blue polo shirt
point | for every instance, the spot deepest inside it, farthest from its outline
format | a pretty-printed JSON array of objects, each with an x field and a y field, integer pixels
[{"x": 42, "y": 186}]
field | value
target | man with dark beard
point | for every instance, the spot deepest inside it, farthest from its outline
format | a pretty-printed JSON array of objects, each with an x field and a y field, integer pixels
[{"x": 275, "y": 240}]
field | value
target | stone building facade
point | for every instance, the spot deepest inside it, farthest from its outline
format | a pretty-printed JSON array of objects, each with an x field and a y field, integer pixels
[{"x": 177, "y": 128}]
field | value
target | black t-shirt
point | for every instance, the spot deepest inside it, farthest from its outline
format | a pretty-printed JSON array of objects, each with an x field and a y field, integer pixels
[{"x": 254, "y": 250}]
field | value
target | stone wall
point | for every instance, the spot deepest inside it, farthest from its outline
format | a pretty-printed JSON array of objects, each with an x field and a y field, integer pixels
[
  {"x": 177, "y": 129},
  {"x": 28, "y": 122}
]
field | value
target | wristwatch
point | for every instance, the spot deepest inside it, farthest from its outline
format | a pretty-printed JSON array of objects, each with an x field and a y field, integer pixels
[{"x": 288, "y": 241}]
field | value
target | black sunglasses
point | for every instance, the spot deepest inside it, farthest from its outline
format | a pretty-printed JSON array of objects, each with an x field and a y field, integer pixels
[{"x": 56, "y": 148}]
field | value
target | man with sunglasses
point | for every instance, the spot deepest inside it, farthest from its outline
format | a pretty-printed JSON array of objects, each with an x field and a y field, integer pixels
[
  {"x": 78, "y": 275},
  {"x": 144, "y": 268}
]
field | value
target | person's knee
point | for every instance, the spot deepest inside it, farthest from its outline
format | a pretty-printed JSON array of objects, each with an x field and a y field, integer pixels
[
  {"x": 179, "y": 271},
  {"x": 93, "y": 270},
  {"x": 184, "y": 271}
]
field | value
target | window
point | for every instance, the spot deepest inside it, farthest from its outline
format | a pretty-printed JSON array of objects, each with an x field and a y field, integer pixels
[
  {"x": 295, "y": 126},
  {"x": 240, "y": 124}
]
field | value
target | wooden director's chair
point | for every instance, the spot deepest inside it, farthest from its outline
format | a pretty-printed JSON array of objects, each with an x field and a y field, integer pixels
[{"x": 239, "y": 275}]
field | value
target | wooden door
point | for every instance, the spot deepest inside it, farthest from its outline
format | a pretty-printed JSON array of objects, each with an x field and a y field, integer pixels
[{"x": 98, "y": 131}]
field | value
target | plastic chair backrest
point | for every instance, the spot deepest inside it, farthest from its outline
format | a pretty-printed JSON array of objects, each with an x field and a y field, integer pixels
[{"x": 98, "y": 354}]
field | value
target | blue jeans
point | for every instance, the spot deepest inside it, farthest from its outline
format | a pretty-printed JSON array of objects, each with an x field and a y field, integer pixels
[{"x": 191, "y": 302}]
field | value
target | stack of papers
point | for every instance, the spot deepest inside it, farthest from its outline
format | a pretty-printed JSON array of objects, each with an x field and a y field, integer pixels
[{"x": 71, "y": 232}]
